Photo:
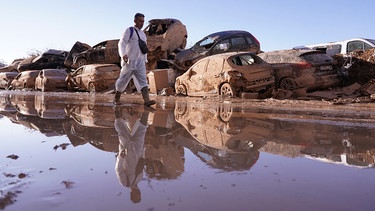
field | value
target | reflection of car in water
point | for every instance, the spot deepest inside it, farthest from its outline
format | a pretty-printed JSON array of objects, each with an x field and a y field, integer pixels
[
  {"x": 101, "y": 138},
  {"x": 93, "y": 115},
  {"x": 49, "y": 107},
  {"x": 223, "y": 138}
]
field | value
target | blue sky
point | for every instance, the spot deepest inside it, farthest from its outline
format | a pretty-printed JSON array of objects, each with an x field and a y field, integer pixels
[{"x": 27, "y": 25}]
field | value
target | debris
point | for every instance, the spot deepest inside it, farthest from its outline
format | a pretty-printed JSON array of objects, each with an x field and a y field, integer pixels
[{"x": 13, "y": 156}]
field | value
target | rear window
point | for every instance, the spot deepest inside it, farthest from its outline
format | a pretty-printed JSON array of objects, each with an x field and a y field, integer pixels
[
  {"x": 317, "y": 58},
  {"x": 245, "y": 60}
]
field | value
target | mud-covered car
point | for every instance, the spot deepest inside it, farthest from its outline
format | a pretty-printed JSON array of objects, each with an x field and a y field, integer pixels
[
  {"x": 164, "y": 37},
  {"x": 226, "y": 74},
  {"x": 78, "y": 47},
  {"x": 93, "y": 77},
  {"x": 49, "y": 59},
  {"x": 105, "y": 52},
  {"x": 302, "y": 68},
  {"x": 51, "y": 80},
  {"x": 25, "y": 80},
  {"x": 6, "y": 79},
  {"x": 12, "y": 67},
  {"x": 218, "y": 42}
]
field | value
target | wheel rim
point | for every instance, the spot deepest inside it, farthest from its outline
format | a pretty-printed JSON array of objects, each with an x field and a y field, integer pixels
[
  {"x": 288, "y": 84},
  {"x": 227, "y": 90},
  {"x": 81, "y": 62},
  {"x": 225, "y": 113},
  {"x": 181, "y": 89}
]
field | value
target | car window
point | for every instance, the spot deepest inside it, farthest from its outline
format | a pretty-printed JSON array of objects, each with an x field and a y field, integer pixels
[
  {"x": 100, "y": 46},
  {"x": 317, "y": 58},
  {"x": 205, "y": 44},
  {"x": 245, "y": 60},
  {"x": 199, "y": 66},
  {"x": 222, "y": 46},
  {"x": 355, "y": 45},
  {"x": 249, "y": 40},
  {"x": 238, "y": 43}
]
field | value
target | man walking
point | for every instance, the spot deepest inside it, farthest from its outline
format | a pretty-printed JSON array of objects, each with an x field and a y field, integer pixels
[{"x": 133, "y": 61}]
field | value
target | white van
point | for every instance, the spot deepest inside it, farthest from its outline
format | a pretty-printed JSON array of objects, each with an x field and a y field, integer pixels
[{"x": 345, "y": 47}]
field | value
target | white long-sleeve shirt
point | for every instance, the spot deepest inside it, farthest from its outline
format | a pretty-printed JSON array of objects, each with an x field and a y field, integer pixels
[{"x": 129, "y": 45}]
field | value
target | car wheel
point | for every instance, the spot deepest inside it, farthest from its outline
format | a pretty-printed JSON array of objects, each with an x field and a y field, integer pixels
[
  {"x": 288, "y": 84},
  {"x": 227, "y": 90},
  {"x": 81, "y": 62},
  {"x": 225, "y": 113},
  {"x": 181, "y": 89},
  {"x": 91, "y": 88},
  {"x": 180, "y": 110}
]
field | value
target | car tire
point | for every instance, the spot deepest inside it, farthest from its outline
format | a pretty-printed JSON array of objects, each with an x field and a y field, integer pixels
[
  {"x": 181, "y": 89},
  {"x": 288, "y": 83},
  {"x": 227, "y": 90},
  {"x": 225, "y": 113},
  {"x": 81, "y": 62}
]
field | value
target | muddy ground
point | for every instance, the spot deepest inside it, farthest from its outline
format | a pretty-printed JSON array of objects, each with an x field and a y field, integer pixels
[{"x": 62, "y": 151}]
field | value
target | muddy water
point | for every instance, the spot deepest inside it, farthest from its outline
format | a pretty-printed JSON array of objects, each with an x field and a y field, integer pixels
[{"x": 74, "y": 151}]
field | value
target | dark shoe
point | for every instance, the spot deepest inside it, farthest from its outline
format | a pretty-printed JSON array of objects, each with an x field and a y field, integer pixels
[
  {"x": 146, "y": 97},
  {"x": 116, "y": 101},
  {"x": 150, "y": 102}
]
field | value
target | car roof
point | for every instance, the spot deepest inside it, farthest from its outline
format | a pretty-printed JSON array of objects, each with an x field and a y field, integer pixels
[
  {"x": 165, "y": 20},
  {"x": 227, "y": 33},
  {"x": 229, "y": 54}
]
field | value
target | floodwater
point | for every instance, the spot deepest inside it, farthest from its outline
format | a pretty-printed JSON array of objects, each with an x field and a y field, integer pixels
[{"x": 75, "y": 151}]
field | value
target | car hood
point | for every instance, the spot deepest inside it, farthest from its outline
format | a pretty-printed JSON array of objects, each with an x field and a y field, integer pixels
[{"x": 186, "y": 55}]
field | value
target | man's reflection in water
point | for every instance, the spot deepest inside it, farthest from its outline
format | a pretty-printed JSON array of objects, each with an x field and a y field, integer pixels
[{"x": 130, "y": 160}]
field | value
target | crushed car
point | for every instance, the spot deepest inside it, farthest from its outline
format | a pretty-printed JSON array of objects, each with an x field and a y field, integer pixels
[
  {"x": 218, "y": 42},
  {"x": 93, "y": 77},
  {"x": 105, "y": 52},
  {"x": 6, "y": 79},
  {"x": 24, "y": 80},
  {"x": 227, "y": 74},
  {"x": 302, "y": 68},
  {"x": 78, "y": 47},
  {"x": 12, "y": 67},
  {"x": 164, "y": 38},
  {"x": 51, "y": 80},
  {"x": 49, "y": 59}
]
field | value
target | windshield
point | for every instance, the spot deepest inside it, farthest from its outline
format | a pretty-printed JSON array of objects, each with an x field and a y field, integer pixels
[
  {"x": 371, "y": 41},
  {"x": 204, "y": 44},
  {"x": 317, "y": 58}
]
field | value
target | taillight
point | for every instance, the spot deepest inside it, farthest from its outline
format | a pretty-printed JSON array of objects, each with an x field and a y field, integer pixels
[{"x": 302, "y": 65}]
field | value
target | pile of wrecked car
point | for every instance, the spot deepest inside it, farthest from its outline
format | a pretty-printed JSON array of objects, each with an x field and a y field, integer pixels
[{"x": 226, "y": 63}]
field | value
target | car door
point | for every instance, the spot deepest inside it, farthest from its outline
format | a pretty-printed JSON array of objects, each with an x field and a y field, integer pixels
[
  {"x": 97, "y": 53},
  {"x": 196, "y": 79}
]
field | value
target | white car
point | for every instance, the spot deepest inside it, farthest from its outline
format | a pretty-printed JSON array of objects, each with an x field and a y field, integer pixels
[{"x": 345, "y": 47}]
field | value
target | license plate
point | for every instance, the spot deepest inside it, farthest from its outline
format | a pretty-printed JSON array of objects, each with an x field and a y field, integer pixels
[{"x": 329, "y": 67}]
